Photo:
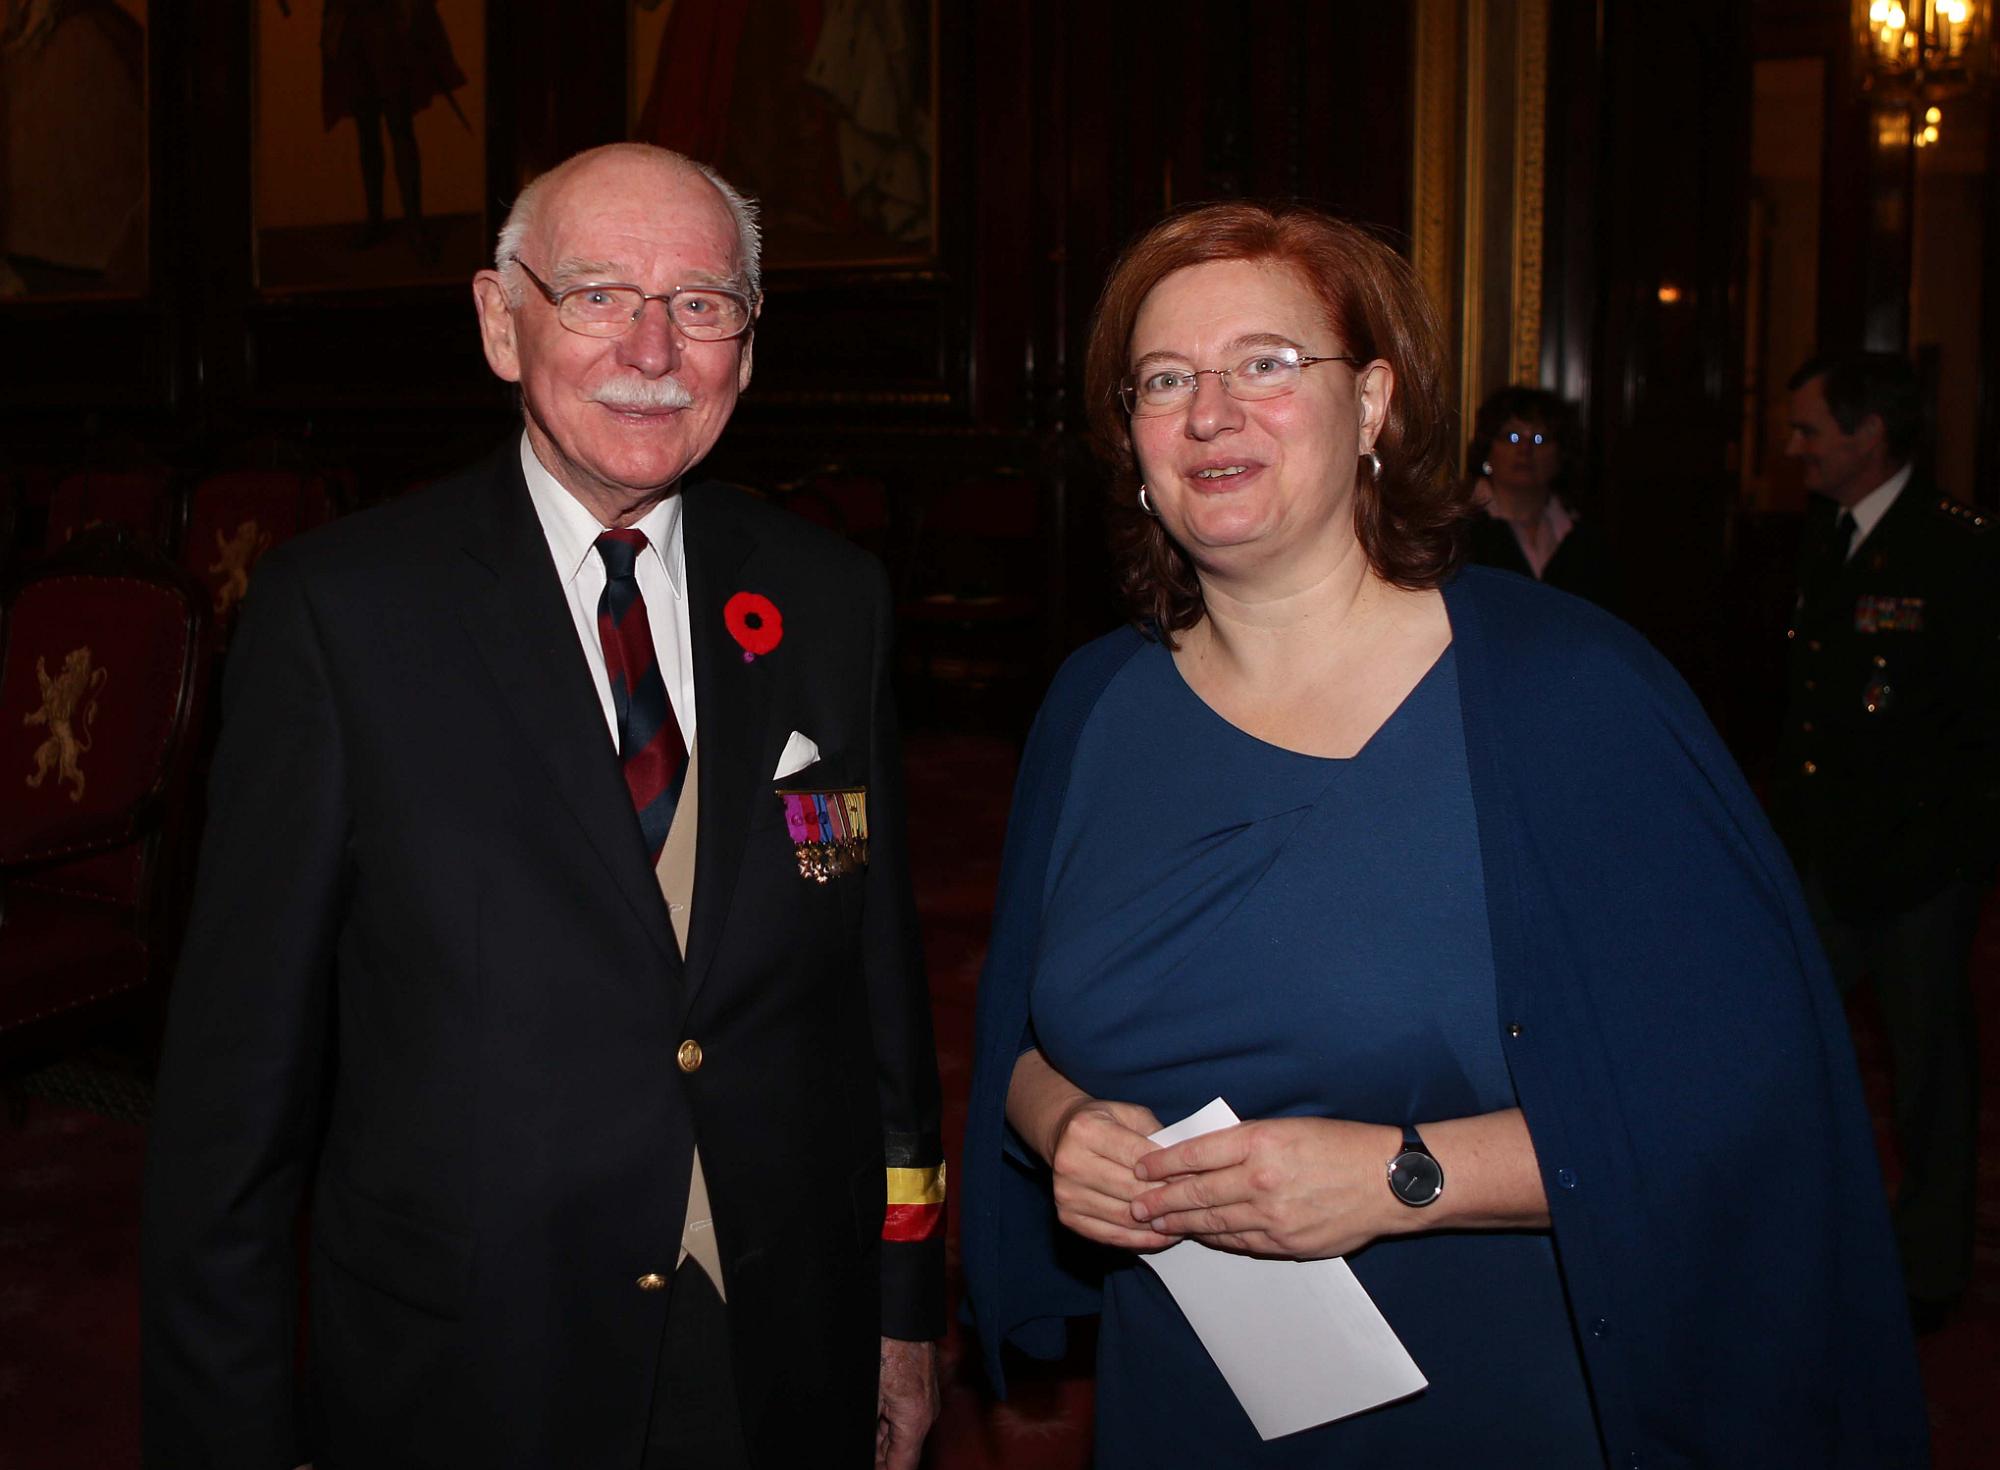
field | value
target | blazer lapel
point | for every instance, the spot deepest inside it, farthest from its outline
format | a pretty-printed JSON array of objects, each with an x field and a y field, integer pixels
[
  {"x": 734, "y": 701},
  {"x": 518, "y": 618}
]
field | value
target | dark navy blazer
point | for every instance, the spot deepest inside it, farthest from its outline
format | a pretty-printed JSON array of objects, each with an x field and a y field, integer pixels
[{"x": 1676, "y": 1043}]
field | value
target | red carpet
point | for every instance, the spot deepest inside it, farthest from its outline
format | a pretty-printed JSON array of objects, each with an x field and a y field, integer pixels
[
  {"x": 69, "y": 1283},
  {"x": 69, "y": 1195}
]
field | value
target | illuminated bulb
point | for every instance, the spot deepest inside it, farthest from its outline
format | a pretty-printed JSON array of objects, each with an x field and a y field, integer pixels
[
  {"x": 1669, "y": 293},
  {"x": 1954, "y": 11},
  {"x": 1928, "y": 137},
  {"x": 1878, "y": 13},
  {"x": 1933, "y": 116}
]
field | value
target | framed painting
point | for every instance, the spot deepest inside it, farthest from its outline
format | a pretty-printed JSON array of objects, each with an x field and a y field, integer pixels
[
  {"x": 369, "y": 143},
  {"x": 73, "y": 148},
  {"x": 824, "y": 110}
]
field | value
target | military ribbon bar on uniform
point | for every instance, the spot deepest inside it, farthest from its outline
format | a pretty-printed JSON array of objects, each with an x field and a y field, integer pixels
[
  {"x": 1888, "y": 614},
  {"x": 829, "y": 831},
  {"x": 916, "y": 1204}
]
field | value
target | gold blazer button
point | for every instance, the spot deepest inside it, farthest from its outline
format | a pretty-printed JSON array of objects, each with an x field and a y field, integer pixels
[
  {"x": 652, "y": 1281},
  {"x": 689, "y": 1056}
]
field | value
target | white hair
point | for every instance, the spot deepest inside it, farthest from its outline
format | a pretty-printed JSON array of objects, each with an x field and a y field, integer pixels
[{"x": 521, "y": 218}]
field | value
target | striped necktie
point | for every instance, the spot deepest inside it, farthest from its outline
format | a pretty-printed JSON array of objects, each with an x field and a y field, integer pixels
[{"x": 649, "y": 737}]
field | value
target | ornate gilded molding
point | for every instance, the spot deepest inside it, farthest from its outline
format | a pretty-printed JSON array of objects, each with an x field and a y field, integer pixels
[
  {"x": 1479, "y": 127},
  {"x": 1474, "y": 267},
  {"x": 1434, "y": 181}
]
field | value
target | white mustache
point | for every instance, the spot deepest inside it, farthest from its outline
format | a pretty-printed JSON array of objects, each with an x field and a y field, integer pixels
[{"x": 644, "y": 395}]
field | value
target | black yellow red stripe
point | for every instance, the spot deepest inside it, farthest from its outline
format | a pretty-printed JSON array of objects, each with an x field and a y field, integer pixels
[{"x": 916, "y": 1204}]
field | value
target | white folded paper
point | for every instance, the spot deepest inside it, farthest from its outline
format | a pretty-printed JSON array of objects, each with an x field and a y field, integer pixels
[{"x": 1300, "y": 1342}]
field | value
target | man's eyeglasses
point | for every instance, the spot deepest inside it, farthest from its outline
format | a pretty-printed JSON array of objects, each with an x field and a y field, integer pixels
[
  {"x": 598, "y": 309},
  {"x": 1534, "y": 437},
  {"x": 1272, "y": 373}
]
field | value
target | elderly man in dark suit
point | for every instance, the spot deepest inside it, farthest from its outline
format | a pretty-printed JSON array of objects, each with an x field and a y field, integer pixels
[
  {"x": 1888, "y": 786},
  {"x": 554, "y": 938}
]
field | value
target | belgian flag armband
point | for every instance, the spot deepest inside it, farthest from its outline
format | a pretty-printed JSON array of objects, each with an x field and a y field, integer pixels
[{"x": 916, "y": 1189}]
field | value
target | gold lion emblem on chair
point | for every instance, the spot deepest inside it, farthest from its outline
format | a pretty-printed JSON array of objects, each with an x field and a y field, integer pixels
[
  {"x": 69, "y": 704},
  {"x": 234, "y": 556}
]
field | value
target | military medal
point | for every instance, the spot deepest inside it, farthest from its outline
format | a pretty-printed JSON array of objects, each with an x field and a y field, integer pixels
[
  {"x": 1888, "y": 614},
  {"x": 829, "y": 831}
]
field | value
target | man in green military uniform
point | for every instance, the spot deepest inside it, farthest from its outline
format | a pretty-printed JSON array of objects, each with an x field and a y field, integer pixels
[{"x": 1888, "y": 785}]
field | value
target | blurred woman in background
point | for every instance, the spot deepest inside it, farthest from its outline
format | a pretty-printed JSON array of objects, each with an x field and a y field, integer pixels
[{"x": 1522, "y": 455}]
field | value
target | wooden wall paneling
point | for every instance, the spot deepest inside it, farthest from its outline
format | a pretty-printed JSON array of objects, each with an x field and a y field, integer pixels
[
  {"x": 1092, "y": 178},
  {"x": 1845, "y": 191},
  {"x": 1069, "y": 500},
  {"x": 1889, "y": 166},
  {"x": 1986, "y": 480},
  {"x": 1012, "y": 231},
  {"x": 1571, "y": 279},
  {"x": 1349, "y": 83},
  {"x": 1675, "y": 114},
  {"x": 218, "y": 150}
]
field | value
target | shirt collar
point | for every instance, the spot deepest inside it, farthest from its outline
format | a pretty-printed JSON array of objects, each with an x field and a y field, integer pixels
[
  {"x": 572, "y": 531},
  {"x": 1870, "y": 508}
]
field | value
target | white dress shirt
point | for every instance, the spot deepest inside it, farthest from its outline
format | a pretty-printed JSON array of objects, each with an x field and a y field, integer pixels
[
  {"x": 1870, "y": 508},
  {"x": 661, "y": 569}
]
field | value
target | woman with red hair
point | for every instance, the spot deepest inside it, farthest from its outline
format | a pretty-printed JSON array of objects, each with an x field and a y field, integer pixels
[{"x": 1545, "y": 1047}]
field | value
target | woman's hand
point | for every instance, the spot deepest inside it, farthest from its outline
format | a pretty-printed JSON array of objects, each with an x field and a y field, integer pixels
[
  {"x": 1096, "y": 1145},
  {"x": 1302, "y": 1188},
  {"x": 1090, "y": 1146},
  {"x": 1311, "y": 1187}
]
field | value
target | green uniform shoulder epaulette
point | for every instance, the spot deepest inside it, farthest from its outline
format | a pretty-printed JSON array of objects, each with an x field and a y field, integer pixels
[{"x": 1964, "y": 515}]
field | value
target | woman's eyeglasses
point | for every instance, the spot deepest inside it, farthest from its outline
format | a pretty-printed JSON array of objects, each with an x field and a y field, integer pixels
[{"x": 1272, "y": 373}]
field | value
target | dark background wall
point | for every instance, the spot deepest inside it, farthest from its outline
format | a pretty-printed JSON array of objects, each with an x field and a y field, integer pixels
[{"x": 1063, "y": 129}]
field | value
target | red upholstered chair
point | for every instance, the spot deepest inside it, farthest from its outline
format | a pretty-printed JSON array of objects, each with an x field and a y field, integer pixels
[
  {"x": 234, "y": 517},
  {"x": 100, "y": 678},
  {"x": 140, "y": 501}
]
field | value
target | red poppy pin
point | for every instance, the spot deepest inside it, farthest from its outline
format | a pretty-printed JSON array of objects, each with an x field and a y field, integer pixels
[{"x": 753, "y": 622}]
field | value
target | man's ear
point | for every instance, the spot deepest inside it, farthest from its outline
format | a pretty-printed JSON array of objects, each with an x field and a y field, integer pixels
[
  {"x": 1869, "y": 432},
  {"x": 496, "y": 326},
  {"x": 749, "y": 348}
]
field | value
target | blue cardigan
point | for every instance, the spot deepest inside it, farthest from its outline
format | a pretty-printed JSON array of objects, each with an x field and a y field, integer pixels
[{"x": 1675, "y": 1041}]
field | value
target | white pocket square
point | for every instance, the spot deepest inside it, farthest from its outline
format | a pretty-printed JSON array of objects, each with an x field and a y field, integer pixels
[{"x": 799, "y": 753}]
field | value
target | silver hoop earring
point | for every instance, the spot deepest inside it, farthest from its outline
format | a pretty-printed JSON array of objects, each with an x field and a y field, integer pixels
[
  {"x": 1374, "y": 464},
  {"x": 1486, "y": 468},
  {"x": 1147, "y": 505}
]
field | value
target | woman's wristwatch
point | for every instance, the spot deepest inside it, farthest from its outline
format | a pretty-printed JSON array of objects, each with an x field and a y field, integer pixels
[{"x": 1415, "y": 1176}]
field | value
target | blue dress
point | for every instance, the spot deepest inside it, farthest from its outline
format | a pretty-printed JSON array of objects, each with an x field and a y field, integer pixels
[{"x": 1299, "y": 936}]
